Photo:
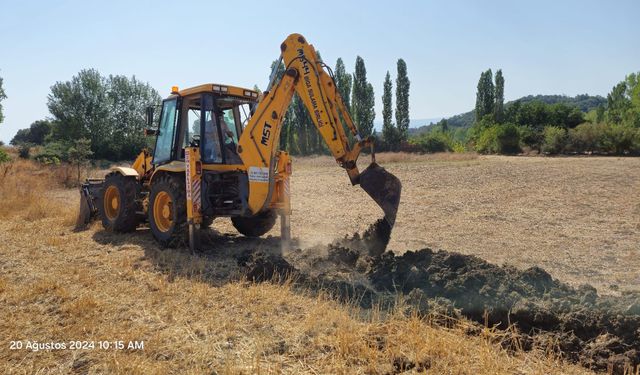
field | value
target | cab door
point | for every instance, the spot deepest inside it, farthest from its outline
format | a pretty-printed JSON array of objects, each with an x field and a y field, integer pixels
[{"x": 163, "y": 151}]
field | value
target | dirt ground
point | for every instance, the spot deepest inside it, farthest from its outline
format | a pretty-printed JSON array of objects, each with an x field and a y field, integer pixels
[{"x": 576, "y": 217}]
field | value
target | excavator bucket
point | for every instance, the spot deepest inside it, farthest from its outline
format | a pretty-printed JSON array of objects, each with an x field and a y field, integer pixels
[{"x": 384, "y": 188}]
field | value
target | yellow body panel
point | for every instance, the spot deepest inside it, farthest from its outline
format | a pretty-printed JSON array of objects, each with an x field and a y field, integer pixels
[
  {"x": 142, "y": 164},
  {"x": 221, "y": 89},
  {"x": 126, "y": 171}
]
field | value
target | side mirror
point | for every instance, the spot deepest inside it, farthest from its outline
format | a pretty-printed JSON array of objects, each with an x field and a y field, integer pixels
[{"x": 150, "y": 110}]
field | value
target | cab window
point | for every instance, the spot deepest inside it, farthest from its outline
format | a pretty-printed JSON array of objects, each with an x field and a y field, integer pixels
[
  {"x": 210, "y": 141},
  {"x": 231, "y": 131},
  {"x": 166, "y": 131}
]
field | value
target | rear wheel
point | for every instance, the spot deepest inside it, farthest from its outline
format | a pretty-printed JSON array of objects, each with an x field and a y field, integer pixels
[
  {"x": 167, "y": 210},
  {"x": 255, "y": 226},
  {"x": 117, "y": 204}
]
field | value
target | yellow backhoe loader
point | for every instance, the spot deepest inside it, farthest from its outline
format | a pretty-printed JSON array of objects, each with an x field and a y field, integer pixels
[{"x": 216, "y": 155}]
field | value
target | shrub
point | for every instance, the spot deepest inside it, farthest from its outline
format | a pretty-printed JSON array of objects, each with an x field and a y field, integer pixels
[
  {"x": 499, "y": 139},
  {"x": 24, "y": 150},
  {"x": 4, "y": 157},
  {"x": 508, "y": 139},
  {"x": 458, "y": 147},
  {"x": 620, "y": 140},
  {"x": 435, "y": 141},
  {"x": 555, "y": 139},
  {"x": 53, "y": 153},
  {"x": 585, "y": 137},
  {"x": 530, "y": 137},
  {"x": 487, "y": 141}
]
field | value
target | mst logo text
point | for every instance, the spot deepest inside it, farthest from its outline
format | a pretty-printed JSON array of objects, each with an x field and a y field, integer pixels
[{"x": 266, "y": 133}]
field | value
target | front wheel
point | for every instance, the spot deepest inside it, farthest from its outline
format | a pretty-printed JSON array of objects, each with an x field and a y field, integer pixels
[
  {"x": 167, "y": 210},
  {"x": 255, "y": 226},
  {"x": 117, "y": 205}
]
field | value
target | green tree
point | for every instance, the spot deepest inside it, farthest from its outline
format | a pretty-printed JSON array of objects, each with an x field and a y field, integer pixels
[
  {"x": 617, "y": 103},
  {"x": 443, "y": 125},
  {"x": 499, "y": 97},
  {"x": 79, "y": 153},
  {"x": 485, "y": 96},
  {"x": 389, "y": 131},
  {"x": 402, "y": 100},
  {"x": 35, "y": 134},
  {"x": 3, "y": 96},
  {"x": 343, "y": 82},
  {"x": 127, "y": 99},
  {"x": 623, "y": 102},
  {"x": 106, "y": 110},
  {"x": 362, "y": 99}
]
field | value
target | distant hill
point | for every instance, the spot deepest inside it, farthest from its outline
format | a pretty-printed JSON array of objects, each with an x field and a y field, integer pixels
[
  {"x": 413, "y": 123},
  {"x": 585, "y": 102}
]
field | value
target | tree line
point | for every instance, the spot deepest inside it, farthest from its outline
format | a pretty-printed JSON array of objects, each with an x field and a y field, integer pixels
[{"x": 536, "y": 124}]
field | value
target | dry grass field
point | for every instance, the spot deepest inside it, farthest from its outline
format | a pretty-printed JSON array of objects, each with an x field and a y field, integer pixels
[{"x": 579, "y": 218}]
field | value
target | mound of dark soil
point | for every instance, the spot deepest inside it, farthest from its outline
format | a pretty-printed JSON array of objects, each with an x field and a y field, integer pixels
[
  {"x": 595, "y": 331},
  {"x": 598, "y": 332}
]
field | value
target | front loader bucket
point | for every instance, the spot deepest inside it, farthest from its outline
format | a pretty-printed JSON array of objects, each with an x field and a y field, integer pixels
[
  {"x": 88, "y": 198},
  {"x": 384, "y": 188}
]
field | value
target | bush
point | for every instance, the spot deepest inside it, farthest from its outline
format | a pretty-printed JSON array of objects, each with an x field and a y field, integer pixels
[
  {"x": 555, "y": 140},
  {"x": 24, "y": 150},
  {"x": 585, "y": 137},
  {"x": 4, "y": 157},
  {"x": 458, "y": 147},
  {"x": 620, "y": 140},
  {"x": 435, "y": 141},
  {"x": 53, "y": 153},
  {"x": 508, "y": 139},
  {"x": 530, "y": 137},
  {"x": 499, "y": 139}
]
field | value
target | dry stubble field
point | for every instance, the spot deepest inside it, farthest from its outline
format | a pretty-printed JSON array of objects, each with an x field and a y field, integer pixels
[{"x": 576, "y": 217}]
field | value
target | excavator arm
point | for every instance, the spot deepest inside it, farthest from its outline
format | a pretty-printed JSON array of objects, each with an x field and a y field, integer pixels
[{"x": 305, "y": 75}]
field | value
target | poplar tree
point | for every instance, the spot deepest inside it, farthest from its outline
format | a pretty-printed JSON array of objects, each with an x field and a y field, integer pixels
[
  {"x": 402, "y": 101},
  {"x": 343, "y": 82},
  {"x": 362, "y": 100},
  {"x": 388, "y": 129},
  {"x": 499, "y": 104},
  {"x": 485, "y": 96}
]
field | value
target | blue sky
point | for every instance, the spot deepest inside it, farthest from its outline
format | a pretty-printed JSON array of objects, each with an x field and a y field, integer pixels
[{"x": 543, "y": 47}]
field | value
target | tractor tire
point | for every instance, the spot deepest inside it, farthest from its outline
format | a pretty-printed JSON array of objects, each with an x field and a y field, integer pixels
[
  {"x": 168, "y": 210},
  {"x": 117, "y": 203},
  {"x": 255, "y": 226}
]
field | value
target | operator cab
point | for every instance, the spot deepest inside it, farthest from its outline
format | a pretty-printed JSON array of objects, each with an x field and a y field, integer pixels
[{"x": 210, "y": 116}]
